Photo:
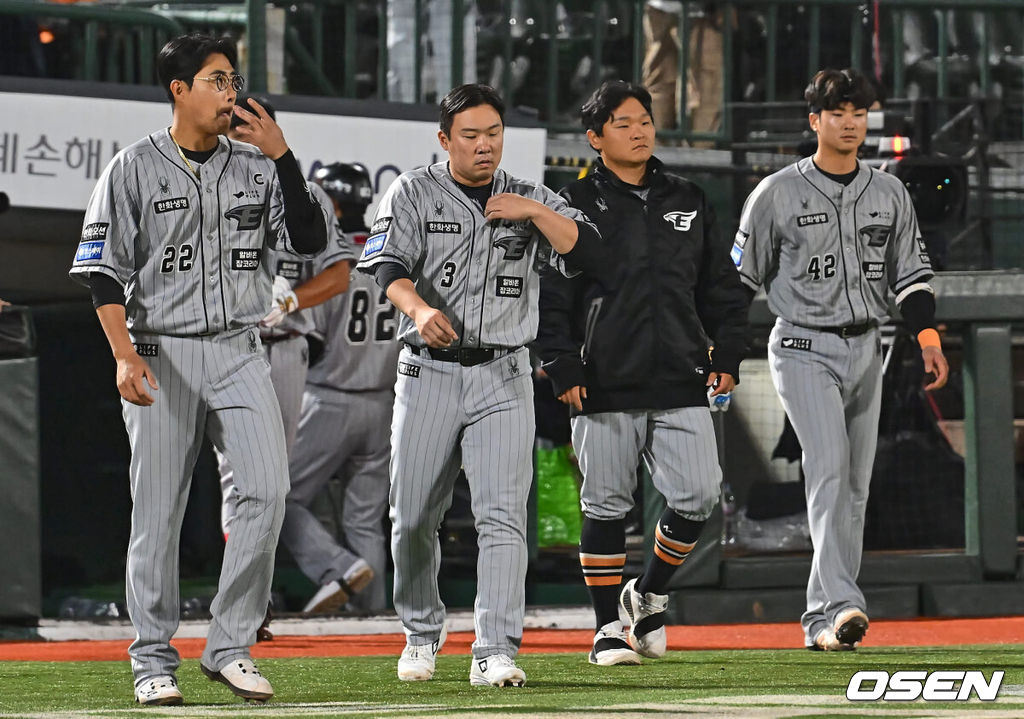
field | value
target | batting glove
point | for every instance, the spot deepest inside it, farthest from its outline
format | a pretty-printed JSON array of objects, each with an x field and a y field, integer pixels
[
  {"x": 284, "y": 303},
  {"x": 720, "y": 402}
]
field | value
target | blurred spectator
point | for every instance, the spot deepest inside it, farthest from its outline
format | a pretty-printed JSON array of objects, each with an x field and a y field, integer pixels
[{"x": 435, "y": 39}]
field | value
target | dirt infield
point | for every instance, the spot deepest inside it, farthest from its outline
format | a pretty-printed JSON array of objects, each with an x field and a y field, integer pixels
[{"x": 921, "y": 632}]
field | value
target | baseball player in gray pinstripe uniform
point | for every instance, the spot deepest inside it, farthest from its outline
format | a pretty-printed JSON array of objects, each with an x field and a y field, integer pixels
[
  {"x": 344, "y": 429},
  {"x": 832, "y": 240},
  {"x": 454, "y": 245},
  {"x": 174, "y": 249}
]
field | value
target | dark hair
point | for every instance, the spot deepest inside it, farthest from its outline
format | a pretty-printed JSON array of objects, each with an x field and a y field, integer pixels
[
  {"x": 831, "y": 88},
  {"x": 599, "y": 108},
  {"x": 464, "y": 97},
  {"x": 183, "y": 56}
]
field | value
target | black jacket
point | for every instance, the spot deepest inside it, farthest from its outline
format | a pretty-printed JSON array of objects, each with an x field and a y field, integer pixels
[{"x": 638, "y": 337}]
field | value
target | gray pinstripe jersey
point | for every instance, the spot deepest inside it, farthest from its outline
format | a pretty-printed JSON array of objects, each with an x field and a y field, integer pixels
[
  {"x": 360, "y": 337},
  {"x": 829, "y": 255},
  {"x": 481, "y": 275},
  {"x": 298, "y": 270},
  {"x": 191, "y": 254}
]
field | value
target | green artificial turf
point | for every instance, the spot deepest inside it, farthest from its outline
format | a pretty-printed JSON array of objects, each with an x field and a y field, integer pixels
[{"x": 563, "y": 685}]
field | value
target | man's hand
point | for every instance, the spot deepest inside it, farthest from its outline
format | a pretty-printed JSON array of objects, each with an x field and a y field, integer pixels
[
  {"x": 434, "y": 327},
  {"x": 574, "y": 397},
  {"x": 132, "y": 375},
  {"x": 935, "y": 364},
  {"x": 261, "y": 130},
  {"x": 510, "y": 206},
  {"x": 721, "y": 383},
  {"x": 284, "y": 303}
]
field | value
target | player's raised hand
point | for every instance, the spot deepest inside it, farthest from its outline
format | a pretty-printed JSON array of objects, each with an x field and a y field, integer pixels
[
  {"x": 434, "y": 327},
  {"x": 132, "y": 375},
  {"x": 935, "y": 363},
  {"x": 261, "y": 130},
  {"x": 574, "y": 397},
  {"x": 510, "y": 206}
]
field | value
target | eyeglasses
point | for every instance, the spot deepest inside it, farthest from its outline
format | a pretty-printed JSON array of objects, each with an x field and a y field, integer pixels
[{"x": 222, "y": 81}]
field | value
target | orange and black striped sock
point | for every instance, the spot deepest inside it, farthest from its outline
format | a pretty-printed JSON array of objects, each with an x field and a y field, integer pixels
[
  {"x": 602, "y": 557},
  {"x": 674, "y": 538}
]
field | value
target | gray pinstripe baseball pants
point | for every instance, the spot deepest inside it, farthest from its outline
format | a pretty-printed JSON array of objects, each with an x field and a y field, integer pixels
[
  {"x": 832, "y": 393},
  {"x": 678, "y": 446},
  {"x": 480, "y": 418},
  {"x": 218, "y": 385}
]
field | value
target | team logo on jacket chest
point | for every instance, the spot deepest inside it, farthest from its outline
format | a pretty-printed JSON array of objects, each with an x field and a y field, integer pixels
[
  {"x": 248, "y": 217},
  {"x": 818, "y": 218},
  {"x": 680, "y": 220},
  {"x": 876, "y": 235},
  {"x": 514, "y": 246}
]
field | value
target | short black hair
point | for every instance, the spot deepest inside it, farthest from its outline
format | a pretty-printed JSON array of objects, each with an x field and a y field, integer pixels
[
  {"x": 599, "y": 108},
  {"x": 829, "y": 89},
  {"x": 183, "y": 56},
  {"x": 466, "y": 96}
]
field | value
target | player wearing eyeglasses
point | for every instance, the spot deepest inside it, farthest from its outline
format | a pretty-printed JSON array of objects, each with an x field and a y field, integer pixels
[{"x": 175, "y": 249}]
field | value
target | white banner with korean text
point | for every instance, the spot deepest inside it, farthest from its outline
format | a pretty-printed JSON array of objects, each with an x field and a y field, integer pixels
[{"x": 54, "y": 147}]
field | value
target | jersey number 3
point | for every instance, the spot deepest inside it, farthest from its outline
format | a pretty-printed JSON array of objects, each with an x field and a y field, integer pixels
[
  {"x": 177, "y": 257},
  {"x": 822, "y": 266},
  {"x": 383, "y": 318}
]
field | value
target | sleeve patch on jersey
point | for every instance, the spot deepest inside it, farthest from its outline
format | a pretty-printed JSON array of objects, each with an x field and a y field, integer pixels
[
  {"x": 289, "y": 269},
  {"x": 874, "y": 270},
  {"x": 170, "y": 205},
  {"x": 921, "y": 245},
  {"x": 741, "y": 239},
  {"x": 89, "y": 251},
  {"x": 796, "y": 343},
  {"x": 509, "y": 286},
  {"x": 409, "y": 370},
  {"x": 736, "y": 254},
  {"x": 95, "y": 231},
  {"x": 876, "y": 235},
  {"x": 147, "y": 350},
  {"x": 381, "y": 224},
  {"x": 245, "y": 259},
  {"x": 925, "y": 259},
  {"x": 444, "y": 228},
  {"x": 374, "y": 244},
  {"x": 818, "y": 218}
]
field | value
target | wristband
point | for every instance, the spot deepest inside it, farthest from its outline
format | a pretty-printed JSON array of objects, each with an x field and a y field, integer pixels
[{"x": 929, "y": 338}]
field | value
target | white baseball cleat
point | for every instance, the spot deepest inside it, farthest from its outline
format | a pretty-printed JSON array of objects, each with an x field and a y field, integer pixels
[
  {"x": 611, "y": 647},
  {"x": 646, "y": 614},
  {"x": 417, "y": 662},
  {"x": 159, "y": 691},
  {"x": 497, "y": 670},
  {"x": 332, "y": 596},
  {"x": 241, "y": 676}
]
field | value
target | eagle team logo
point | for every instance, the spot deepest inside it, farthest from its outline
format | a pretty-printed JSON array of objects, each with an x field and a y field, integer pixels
[
  {"x": 514, "y": 246},
  {"x": 680, "y": 220},
  {"x": 876, "y": 235},
  {"x": 248, "y": 217}
]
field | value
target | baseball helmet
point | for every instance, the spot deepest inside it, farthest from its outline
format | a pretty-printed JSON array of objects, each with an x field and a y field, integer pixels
[{"x": 347, "y": 183}]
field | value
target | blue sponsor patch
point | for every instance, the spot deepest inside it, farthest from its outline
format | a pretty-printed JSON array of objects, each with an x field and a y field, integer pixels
[
  {"x": 736, "y": 254},
  {"x": 375, "y": 244},
  {"x": 89, "y": 251}
]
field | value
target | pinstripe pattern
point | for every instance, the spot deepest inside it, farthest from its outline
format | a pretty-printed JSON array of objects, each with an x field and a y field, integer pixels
[
  {"x": 482, "y": 418},
  {"x": 829, "y": 255},
  {"x": 678, "y": 446},
  {"x": 343, "y": 434},
  {"x": 221, "y": 385},
  {"x": 175, "y": 262},
  {"x": 425, "y": 222},
  {"x": 832, "y": 395},
  {"x": 287, "y": 360},
  {"x": 602, "y": 570}
]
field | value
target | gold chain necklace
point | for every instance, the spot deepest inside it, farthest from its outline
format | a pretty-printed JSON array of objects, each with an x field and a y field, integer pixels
[{"x": 181, "y": 154}]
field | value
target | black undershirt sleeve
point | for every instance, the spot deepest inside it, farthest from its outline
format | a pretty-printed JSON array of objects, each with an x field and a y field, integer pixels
[
  {"x": 302, "y": 214},
  {"x": 105, "y": 290},
  {"x": 387, "y": 272},
  {"x": 918, "y": 310}
]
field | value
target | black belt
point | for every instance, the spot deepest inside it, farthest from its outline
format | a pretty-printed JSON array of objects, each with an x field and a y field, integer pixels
[
  {"x": 465, "y": 356},
  {"x": 271, "y": 339},
  {"x": 849, "y": 330}
]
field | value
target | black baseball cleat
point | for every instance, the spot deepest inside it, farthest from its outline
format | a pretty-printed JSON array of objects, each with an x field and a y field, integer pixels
[{"x": 850, "y": 626}]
